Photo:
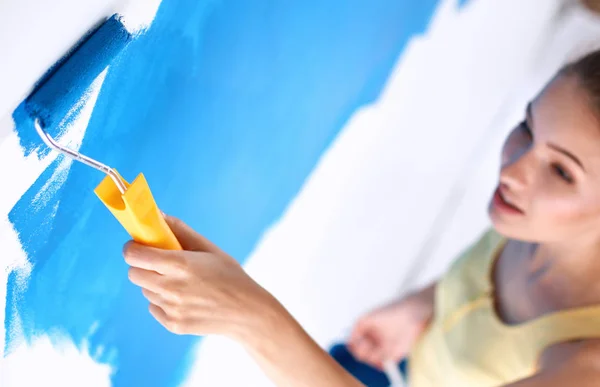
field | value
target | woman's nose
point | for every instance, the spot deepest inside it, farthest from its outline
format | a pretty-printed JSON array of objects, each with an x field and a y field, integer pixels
[{"x": 516, "y": 172}]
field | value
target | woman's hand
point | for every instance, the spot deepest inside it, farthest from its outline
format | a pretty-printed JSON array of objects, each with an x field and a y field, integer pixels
[
  {"x": 389, "y": 333},
  {"x": 198, "y": 291},
  {"x": 202, "y": 290}
]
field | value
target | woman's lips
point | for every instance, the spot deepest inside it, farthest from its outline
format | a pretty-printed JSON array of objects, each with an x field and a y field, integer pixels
[{"x": 505, "y": 205}]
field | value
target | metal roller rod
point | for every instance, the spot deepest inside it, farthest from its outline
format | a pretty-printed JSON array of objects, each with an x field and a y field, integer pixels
[{"x": 48, "y": 140}]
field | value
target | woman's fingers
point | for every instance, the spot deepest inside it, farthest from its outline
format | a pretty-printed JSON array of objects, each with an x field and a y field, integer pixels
[
  {"x": 200, "y": 290},
  {"x": 159, "y": 314},
  {"x": 146, "y": 279},
  {"x": 154, "y": 298},
  {"x": 365, "y": 350},
  {"x": 190, "y": 240},
  {"x": 363, "y": 345},
  {"x": 396, "y": 351},
  {"x": 374, "y": 358},
  {"x": 176, "y": 325},
  {"x": 358, "y": 334},
  {"x": 151, "y": 259}
]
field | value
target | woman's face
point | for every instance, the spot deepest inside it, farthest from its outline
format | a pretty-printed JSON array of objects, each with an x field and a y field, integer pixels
[{"x": 549, "y": 188}]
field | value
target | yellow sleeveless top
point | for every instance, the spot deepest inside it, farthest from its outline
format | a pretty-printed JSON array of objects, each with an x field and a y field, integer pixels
[{"x": 467, "y": 345}]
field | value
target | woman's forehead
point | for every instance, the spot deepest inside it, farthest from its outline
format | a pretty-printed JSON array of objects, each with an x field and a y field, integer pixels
[{"x": 563, "y": 114}]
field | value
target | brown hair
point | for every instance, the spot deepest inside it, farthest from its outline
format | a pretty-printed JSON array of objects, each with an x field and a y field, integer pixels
[{"x": 587, "y": 71}]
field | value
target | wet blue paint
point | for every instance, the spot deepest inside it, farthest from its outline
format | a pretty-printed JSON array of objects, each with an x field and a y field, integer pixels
[
  {"x": 63, "y": 86},
  {"x": 226, "y": 106}
]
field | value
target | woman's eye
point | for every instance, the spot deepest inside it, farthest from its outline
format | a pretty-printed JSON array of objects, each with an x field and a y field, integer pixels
[{"x": 560, "y": 171}]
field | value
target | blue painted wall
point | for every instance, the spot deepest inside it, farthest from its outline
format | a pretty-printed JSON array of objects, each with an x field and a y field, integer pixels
[{"x": 226, "y": 106}]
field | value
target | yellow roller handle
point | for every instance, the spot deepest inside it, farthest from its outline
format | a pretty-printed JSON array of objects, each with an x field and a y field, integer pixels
[{"x": 137, "y": 212}]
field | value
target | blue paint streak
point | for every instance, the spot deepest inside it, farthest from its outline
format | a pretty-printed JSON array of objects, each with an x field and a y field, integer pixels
[
  {"x": 226, "y": 107},
  {"x": 65, "y": 84}
]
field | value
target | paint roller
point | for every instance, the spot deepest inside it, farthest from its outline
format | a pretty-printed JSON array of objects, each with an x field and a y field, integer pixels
[{"x": 53, "y": 98}]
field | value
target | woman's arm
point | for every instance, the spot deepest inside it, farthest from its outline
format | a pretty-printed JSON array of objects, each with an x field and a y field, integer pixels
[
  {"x": 202, "y": 290},
  {"x": 288, "y": 355}
]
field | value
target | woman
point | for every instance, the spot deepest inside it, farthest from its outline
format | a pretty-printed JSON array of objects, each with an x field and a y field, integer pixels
[{"x": 521, "y": 308}]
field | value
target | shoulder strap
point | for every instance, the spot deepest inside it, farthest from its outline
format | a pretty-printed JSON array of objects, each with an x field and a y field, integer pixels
[{"x": 563, "y": 326}]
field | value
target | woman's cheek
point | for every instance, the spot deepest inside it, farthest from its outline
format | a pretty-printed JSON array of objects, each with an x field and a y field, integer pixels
[{"x": 557, "y": 208}]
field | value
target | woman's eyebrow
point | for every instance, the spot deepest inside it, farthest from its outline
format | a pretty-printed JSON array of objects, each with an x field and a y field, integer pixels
[{"x": 529, "y": 118}]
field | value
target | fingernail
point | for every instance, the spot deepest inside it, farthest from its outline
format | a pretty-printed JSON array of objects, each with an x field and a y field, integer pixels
[{"x": 127, "y": 248}]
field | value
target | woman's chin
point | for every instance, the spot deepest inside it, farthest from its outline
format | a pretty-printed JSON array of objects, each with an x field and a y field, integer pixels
[{"x": 508, "y": 228}]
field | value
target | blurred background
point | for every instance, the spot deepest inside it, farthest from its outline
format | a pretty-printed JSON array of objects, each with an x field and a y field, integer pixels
[{"x": 344, "y": 151}]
